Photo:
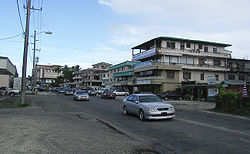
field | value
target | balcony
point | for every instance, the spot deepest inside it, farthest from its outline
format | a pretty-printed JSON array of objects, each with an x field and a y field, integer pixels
[
  {"x": 77, "y": 77},
  {"x": 192, "y": 52},
  {"x": 204, "y": 67},
  {"x": 127, "y": 73},
  {"x": 150, "y": 65},
  {"x": 123, "y": 83},
  {"x": 150, "y": 80}
]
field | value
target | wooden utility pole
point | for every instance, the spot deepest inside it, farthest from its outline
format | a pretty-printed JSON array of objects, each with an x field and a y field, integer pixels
[
  {"x": 25, "y": 52},
  {"x": 34, "y": 63}
]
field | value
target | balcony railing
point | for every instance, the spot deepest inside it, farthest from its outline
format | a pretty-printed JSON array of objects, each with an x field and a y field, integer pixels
[
  {"x": 193, "y": 52},
  {"x": 150, "y": 63},
  {"x": 182, "y": 65},
  {"x": 204, "y": 67},
  {"x": 150, "y": 78}
]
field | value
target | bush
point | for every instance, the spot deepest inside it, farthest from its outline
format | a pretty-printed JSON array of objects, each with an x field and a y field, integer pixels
[{"x": 227, "y": 100}]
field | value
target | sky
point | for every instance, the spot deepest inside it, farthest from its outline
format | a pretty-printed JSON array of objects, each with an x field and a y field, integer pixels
[{"x": 85, "y": 32}]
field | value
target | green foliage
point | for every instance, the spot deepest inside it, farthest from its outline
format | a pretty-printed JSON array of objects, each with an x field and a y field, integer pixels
[
  {"x": 232, "y": 102},
  {"x": 187, "y": 97},
  {"x": 46, "y": 89}
]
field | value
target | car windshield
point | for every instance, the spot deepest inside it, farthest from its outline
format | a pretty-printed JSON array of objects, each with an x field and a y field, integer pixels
[
  {"x": 81, "y": 92},
  {"x": 149, "y": 98}
]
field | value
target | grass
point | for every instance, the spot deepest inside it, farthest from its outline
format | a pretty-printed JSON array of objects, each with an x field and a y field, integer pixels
[
  {"x": 20, "y": 106},
  {"x": 246, "y": 113},
  {"x": 12, "y": 102}
]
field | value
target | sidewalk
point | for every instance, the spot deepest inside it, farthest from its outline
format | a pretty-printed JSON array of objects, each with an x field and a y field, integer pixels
[{"x": 55, "y": 125}]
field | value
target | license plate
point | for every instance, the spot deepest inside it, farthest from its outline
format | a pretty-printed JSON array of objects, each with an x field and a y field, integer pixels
[{"x": 164, "y": 113}]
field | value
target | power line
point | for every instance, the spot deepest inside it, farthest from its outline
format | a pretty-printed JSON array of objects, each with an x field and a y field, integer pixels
[
  {"x": 18, "y": 10},
  {"x": 6, "y": 38}
]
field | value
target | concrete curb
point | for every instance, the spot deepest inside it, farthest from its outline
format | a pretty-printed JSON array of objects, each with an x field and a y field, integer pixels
[{"x": 224, "y": 114}]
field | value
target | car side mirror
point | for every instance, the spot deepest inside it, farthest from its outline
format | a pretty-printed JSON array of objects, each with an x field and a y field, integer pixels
[{"x": 136, "y": 102}]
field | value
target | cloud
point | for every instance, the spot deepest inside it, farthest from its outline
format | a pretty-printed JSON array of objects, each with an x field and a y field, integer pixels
[
  {"x": 220, "y": 21},
  {"x": 104, "y": 2}
]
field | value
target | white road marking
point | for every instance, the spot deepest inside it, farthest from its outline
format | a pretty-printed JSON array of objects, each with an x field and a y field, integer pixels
[{"x": 213, "y": 126}]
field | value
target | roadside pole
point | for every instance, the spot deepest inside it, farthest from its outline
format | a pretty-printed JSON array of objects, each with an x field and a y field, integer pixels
[
  {"x": 25, "y": 52},
  {"x": 34, "y": 63}
]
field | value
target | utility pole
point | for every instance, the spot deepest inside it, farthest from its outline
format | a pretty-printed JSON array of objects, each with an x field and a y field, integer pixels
[
  {"x": 25, "y": 52},
  {"x": 34, "y": 63}
]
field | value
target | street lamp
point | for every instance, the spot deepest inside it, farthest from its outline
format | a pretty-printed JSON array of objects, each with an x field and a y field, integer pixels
[{"x": 34, "y": 58}]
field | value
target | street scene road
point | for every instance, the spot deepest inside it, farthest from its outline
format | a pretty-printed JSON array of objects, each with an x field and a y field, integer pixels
[{"x": 55, "y": 123}]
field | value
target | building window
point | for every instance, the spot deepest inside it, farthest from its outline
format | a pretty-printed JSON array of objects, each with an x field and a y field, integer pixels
[
  {"x": 182, "y": 46},
  {"x": 186, "y": 75},
  {"x": 205, "y": 49},
  {"x": 217, "y": 77},
  {"x": 231, "y": 77},
  {"x": 170, "y": 74},
  {"x": 188, "y": 45},
  {"x": 216, "y": 62},
  {"x": 168, "y": 44},
  {"x": 174, "y": 59},
  {"x": 200, "y": 46},
  {"x": 202, "y": 76},
  {"x": 215, "y": 49},
  {"x": 242, "y": 77},
  {"x": 167, "y": 59},
  {"x": 190, "y": 60},
  {"x": 183, "y": 60},
  {"x": 171, "y": 45}
]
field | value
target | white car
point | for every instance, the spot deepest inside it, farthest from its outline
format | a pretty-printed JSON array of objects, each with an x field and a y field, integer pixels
[
  {"x": 148, "y": 106},
  {"x": 120, "y": 93},
  {"x": 81, "y": 95}
]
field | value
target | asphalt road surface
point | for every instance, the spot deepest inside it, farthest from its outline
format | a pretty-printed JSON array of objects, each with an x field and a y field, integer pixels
[
  {"x": 62, "y": 121},
  {"x": 192, "y": 131}
]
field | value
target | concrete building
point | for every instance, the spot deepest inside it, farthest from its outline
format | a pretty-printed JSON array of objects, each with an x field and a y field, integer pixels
[
  {"x": 78, "y": 79},
  {"x": 168, "y": 62},
  {"x": 122, "y": 75},
  {"x": 92, "y": 77},
  {"x": 105, "y": 80},
  {"x": 238, "y": 74},
  {"x": 7, "y": 72},
  {"x": 46, "y": 74}
]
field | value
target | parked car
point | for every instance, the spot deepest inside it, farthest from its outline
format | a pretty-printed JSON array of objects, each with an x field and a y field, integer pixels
[
  {"x": 60, "y": 90},
  {"x": 148, "y": 106},
  {"x": 7, "y": 91},
  {"x": 68, "y": 91},
  {"x": 81, "y": 95},
  {"x": 108, "y": 94},
  {"x": 92, "y": 92},
  {"x": 121, "y": 93},
  {"x": 170, "y": 95}
]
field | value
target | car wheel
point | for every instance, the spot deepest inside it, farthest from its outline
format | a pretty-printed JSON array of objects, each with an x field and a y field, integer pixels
[
  {"x": 141, "y": 115},
  {"x": 126, "y": 94},
  {"x": 125, "y": 111},
  {"x": 12, "y": 94}
]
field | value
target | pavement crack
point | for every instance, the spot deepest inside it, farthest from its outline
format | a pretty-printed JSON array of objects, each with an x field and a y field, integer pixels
[{"x": 112, "y": 127}]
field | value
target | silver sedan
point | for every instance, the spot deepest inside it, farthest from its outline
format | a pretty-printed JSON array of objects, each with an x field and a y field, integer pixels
[
  {"x": 148, "y": 106},
  {"x": 81, "y": 95}
]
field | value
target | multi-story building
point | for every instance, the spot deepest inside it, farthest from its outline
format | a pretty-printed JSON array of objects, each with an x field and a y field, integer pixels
[
  {"x": 238, "y": 74},
  {"x": 7, "y": 72},
  {"x": 168, "y": 62},
  {"x": 77, "y": 79},
  {"x": 105, "y": 80},
  {"x": 92, "y": 77},
  {"x": 46, "y": 74},
  {"x": 121, "y": 76}
]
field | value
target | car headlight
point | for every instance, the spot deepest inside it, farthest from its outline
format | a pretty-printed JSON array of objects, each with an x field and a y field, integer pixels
[
  {"x": 151, "y": 109},
  {"x": 171, "y": 108}
]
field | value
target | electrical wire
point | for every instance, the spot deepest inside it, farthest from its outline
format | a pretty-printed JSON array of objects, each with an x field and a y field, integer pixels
[
  {"x": 6, "y": 38},
  {"x": 18, "y": 10}
]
